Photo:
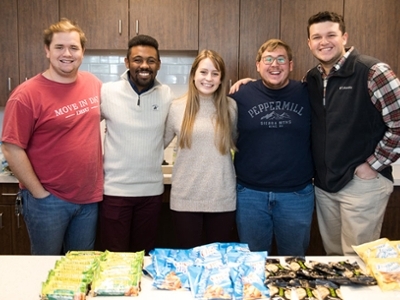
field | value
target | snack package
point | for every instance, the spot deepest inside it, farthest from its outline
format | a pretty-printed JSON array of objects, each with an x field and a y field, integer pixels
[
  {"x": 341, "y": 272},
  {"x": 381, "y": 248},
  {"x": 212, "y": 283},
  {"x": 396, "y": 245},
  {"x": 275, "y": 270},
  {"x": 83, "y": 254},
  {"x": 171, "y": 274},
  {"x": 63, "y": 290},
  {"x": 209, "y": 252},
  {"x": 248, "y": 284},
  {"x": 302, "y": 289},
  {"x": 71, "y": 276},
  {"x": 301, "y": 268},
  {"x": 386, "y": 271},
  {"x": 169, "y": 267},
  {"x": 350, "y": 273},
  {"x": 326, "y": 290},
  {"x": 289, "y": 290},
  {"x": 160, "y": 253},
  {"x": 118, "y": 274}
]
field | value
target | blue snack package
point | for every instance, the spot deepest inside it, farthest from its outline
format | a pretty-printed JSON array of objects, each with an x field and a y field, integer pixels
[
  {"x": 205, "y": 252},
  {"x": 212, "y": 283},
  {"x": 255, "y": 260},
  {"x": 151, "y": 269},
  {"x": 171, "y": 274},
  {"x": 234, "y": 247},
  {"x": 252, "y": 285}
]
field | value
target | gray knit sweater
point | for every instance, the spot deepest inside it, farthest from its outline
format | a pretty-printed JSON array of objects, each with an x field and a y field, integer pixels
[{"x": 203, "y": 180}]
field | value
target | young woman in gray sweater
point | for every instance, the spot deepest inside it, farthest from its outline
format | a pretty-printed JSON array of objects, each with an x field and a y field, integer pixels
[{"x": 203, "y": 193}]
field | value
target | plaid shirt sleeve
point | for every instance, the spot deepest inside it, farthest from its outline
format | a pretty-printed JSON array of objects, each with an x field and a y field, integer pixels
[{"x": 384, "y": 88}]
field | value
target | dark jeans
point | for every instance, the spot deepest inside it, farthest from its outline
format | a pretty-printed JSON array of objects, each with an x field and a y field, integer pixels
[
  {"x": 197, "y": 228},
  {"x": 261, "y": 216},
  {"x": 56, "y": 226},
  {"x": 129, "y": 224}
]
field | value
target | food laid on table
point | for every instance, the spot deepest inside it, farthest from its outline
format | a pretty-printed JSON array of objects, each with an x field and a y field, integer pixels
[
  {"x": 70, "y": 277},
  {"x": 213, "y": 271},
  {"x": 117, "y": 274},
  {"x": 97, "y": 273},
  {"x": 382, "y": 260},
  {"x": 296, "y": 278},
  {"x": 221, "y": 271}
]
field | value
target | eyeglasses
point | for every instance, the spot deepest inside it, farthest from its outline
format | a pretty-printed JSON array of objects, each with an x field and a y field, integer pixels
[
  {"x": 139, "y": 60},
  {"x": 269, "y": 60}
]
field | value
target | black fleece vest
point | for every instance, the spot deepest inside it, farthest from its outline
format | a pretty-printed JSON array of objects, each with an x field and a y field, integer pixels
[{"x": 347, "y": 129}]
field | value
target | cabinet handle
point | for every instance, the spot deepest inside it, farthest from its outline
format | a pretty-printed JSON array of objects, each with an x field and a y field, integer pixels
[
  {"x": 137, "y": 27},
  {"x": 18, "y": 223},
  {"x": 120, "y": 27},
  {"x": 1, "y": 221},
  {"x": 9, "y": 84},
  {"x": 9, "y": 194}
]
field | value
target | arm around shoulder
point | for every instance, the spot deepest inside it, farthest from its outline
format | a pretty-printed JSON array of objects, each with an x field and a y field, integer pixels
[{"x": 235, "y": 87}]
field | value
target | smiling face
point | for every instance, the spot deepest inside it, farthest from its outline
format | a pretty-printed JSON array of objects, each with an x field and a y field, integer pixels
[
  {"x": 275, "y": 75},
  {"x": 65, "y": 54},
  {"x": 207, "y": 78},
  {"x": 143, "y": 65},
  {"x": 327, "y": 43}
]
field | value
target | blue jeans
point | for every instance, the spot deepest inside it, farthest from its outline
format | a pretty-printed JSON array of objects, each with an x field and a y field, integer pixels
[
  {"x": 56, "y": 226},
  {"x": 262, "y": 215}
]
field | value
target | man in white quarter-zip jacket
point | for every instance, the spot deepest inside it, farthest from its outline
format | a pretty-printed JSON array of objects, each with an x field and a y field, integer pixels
[{"x": 134, "y": 109}]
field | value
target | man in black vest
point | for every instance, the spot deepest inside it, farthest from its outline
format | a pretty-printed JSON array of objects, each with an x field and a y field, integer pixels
[{"x": 355, "y": 102}]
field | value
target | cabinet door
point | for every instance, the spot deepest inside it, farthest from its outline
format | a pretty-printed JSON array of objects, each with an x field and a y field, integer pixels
[
  {"x": 259, "y": 22},
  {"x": 294, "y": 29},
  {"x": 220, "y": 32},
  {"x": 6, "y": 239},
  {"x": 21, "y": 242},
  {"x": 9, "y": 75},
  {"x": 13, "y": 232},
  {"x": 173, "y": 23},
  {"x": 375, "y": 29},
  {"x": 33, "y": 18},
  {"x": 105, "y": 23}
]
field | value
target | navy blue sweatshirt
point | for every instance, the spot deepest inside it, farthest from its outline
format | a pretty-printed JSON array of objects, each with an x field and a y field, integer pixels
[{"x": 274, "y": 149}]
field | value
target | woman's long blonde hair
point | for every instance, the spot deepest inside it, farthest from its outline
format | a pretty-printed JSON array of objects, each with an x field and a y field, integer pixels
[{"x": 223, "y": 119}]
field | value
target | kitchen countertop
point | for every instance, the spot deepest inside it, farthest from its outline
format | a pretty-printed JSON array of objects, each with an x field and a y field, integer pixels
[
  {"x": 21, "y": 278},
  {"x": 396, "y": 174},
  {"x": 7, "y": 178},
  {"x": 167, "y": 170}
]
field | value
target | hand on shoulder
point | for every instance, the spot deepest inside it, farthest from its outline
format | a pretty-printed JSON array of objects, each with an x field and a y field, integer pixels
[{"x": 235, "y": 87}]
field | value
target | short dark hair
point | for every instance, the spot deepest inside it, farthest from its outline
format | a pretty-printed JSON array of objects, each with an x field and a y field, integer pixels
[
  {"x": 143, "y": 40},
  {"x": 325, "y": 16}
]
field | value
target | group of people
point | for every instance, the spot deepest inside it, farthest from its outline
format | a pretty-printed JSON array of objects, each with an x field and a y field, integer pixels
[{"x": 255, "y": 160}]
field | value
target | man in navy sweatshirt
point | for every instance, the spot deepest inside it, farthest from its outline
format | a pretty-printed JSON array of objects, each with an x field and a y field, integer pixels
[{"x": 275, "y": 195}]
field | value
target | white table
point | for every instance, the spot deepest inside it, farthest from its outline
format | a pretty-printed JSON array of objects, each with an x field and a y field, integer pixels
[{"x": 21, "y": 278}]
